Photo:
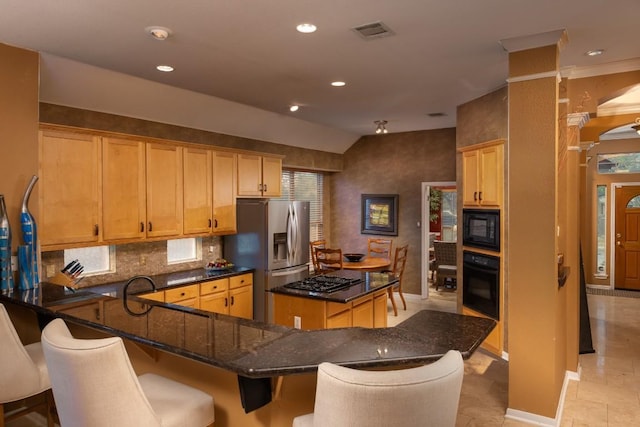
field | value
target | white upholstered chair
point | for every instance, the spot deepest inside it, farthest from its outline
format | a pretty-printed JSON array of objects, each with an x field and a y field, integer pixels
[
  {"x": 424, "y": 396},
  {"x": 95, "y": 385},
  {"x": 23, "y": 372}
]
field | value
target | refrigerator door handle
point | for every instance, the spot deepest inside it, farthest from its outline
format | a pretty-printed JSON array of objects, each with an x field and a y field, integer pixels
[
  {"x": 289, "y": 234},
  {"x": 290, "y": 272}
]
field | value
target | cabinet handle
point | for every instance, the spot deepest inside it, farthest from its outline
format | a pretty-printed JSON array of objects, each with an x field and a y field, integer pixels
[
  {"x": 96, "y": 229},
  {"x": 231, "y": 300},
  {"x": 259, "y": 187},
  {"x": 265, "y": 187},
  {"x": 209, "y": 222},
  {"x": 480, "y": 196},
  {"x": 150, "y": 226},
  {"x": 141, "y": 227},
  {"x": 475, "y": 196},
  {"x": 226, "y": 302},
  {"x": 215, "y": 221}
]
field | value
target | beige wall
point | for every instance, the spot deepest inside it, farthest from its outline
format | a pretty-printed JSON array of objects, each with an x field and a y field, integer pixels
[
  {"x": 18, "y": 132},
  {"x": 390, "y": 164}
]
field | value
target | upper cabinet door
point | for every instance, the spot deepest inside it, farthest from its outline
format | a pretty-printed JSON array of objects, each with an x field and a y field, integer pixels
[
  {"x": 224, "y": 192},
  {"x": 249, "y": 175},
  {"x": 483, "y": 176},
  {"x": 272, "y": 176},
  {"x": 198, "y": 198},
  {"x": 123, "y": 184},
  {"x": 259, "y": 176},
  {"x": 69, "y": 188},
  {"x": 164, "y": 190},
  {"x": 491, "y": 177}
]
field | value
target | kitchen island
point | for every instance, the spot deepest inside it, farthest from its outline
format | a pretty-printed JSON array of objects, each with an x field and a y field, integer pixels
[{"x": 209, "y": 350}]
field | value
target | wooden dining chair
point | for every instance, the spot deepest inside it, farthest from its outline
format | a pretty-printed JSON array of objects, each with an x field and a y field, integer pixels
[
  {"x": 328, "y": 260},
  {"x": 314, "y": 259},
  {"x": 399, "y": 262},
  {"x": 379, "y": 247}
]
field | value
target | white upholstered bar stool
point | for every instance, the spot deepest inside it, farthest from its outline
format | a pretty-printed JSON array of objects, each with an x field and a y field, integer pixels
[
  {"x": 23, "y": 372},
  {"x": 95, "y": 385},
  {"x": 424, "y": 396}
]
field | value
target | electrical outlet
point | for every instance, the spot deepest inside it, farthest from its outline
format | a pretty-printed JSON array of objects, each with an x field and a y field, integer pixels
[
  {"x": 14, "y": 263},
  {"x": 211, "y": 249},
  {"x": 143, "y": 260},
  {"x": 297, "y": 322},
  {"x": 51, "y": 270}
]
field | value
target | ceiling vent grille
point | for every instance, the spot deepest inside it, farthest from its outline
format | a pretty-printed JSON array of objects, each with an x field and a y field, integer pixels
[{"x": 373, "y": 31}]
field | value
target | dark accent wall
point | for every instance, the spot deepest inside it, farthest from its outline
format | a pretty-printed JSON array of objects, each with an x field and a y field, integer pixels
[
  {"x": 391, "y": 164},
  {"x": 294, "y": 157}
]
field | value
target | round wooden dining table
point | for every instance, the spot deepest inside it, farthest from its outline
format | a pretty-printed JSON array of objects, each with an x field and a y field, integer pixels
[{"x": 368, "y": 263}]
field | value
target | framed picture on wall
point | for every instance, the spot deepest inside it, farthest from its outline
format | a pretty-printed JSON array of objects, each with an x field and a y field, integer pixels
[{"x": 379, "y": 214}]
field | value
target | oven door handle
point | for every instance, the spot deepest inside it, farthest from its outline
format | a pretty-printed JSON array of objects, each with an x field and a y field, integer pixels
[{"x": 479, "y": 267}]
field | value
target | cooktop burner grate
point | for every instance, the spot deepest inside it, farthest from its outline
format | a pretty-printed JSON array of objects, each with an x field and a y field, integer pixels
[{"x": 324, "y": 284}]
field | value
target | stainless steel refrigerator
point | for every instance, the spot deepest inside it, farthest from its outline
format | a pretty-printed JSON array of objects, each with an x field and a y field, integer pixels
[{"x": 272, "y": 238}]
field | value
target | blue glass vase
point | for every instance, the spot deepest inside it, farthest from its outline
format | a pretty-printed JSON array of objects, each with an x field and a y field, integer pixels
[
  {"x": 30, "y": 235},
  {"x": 6, "y": 275}
]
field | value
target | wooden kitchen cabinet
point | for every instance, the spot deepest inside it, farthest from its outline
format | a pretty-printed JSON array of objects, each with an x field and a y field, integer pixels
[
  {"x": 362, "y": 312},
  {"x": 259, "y": 176},
  {"x": 368, "y": 311},
  {"x": 123, "y": 189},
  {"x": 232, "y": 296},
  {"x": 224, "y": 192},
  {"x": 482, "y": 175},
  {"x": 241, "y": 296},
  {"x": 164, "y": 190},
  {"x": 214, "y": 296},
  {"x": 187, "y": 296},
  {"x": 380, "y": 309},
  {"x": 70, "y": 192},
  {"x": 198, "y": 194}
]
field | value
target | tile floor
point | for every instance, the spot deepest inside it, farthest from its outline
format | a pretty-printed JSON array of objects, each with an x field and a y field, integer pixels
[{"x": 608, "y": 394}]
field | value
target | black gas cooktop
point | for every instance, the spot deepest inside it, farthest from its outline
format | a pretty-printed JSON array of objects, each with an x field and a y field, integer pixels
[{"x": 323, "y": 283}]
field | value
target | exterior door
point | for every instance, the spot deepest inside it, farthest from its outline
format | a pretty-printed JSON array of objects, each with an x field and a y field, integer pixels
[{"x": 627, "y": 238}]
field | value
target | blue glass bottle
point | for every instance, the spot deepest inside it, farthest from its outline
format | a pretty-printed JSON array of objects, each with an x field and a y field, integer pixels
[{"x": 6, "y": 275}]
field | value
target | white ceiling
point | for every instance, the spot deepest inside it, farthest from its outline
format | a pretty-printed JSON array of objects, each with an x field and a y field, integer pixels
[{"x": 443, "y": 53}]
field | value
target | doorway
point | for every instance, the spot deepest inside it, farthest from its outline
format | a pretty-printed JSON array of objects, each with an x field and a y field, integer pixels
[
  {"x": 626, "y": 248},
  {"x": 445, "y": 222}
]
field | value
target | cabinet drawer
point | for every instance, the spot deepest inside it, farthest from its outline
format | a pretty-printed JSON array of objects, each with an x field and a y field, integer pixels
[
  {"x": 156, "y": 296},
  {"x": 239, "y": 281},
  {"x": 337, "y": 307},
  {"x": 181, "y": 293},
  {"x": 214, "y": 286}
]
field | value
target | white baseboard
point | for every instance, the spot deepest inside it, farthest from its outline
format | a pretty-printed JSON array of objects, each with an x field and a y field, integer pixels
[{"x": 539, "y": 420}]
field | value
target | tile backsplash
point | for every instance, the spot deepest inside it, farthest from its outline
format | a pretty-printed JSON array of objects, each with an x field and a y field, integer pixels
[{"x": 143, "y": 258}]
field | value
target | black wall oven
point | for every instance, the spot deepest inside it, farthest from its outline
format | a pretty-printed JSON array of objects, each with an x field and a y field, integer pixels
[
  {"x": 481, "y": 283},
  {"x": 481, "y": 228}
]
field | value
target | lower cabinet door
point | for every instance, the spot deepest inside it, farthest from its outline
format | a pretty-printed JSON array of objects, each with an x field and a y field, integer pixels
[
  {"x": 340, "y": 320},
  {"x": 217, "y": 302},
  {"x": 241, "y": 302},
  {"x": 362, "y": 313}
]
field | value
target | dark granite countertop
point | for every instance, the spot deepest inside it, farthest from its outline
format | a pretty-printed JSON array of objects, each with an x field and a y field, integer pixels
[
  {"x": 370, "y": 282},
  {"x": 249, "y": 348}
]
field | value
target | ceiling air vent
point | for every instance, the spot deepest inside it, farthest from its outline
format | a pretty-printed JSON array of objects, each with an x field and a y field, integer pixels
[{"x": 373, "y": 31}]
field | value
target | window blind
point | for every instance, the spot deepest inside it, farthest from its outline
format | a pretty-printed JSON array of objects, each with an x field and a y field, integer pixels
[{"x": 306, "y": 186}]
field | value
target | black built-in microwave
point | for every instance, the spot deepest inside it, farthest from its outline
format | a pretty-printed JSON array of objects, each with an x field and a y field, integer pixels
[{"x": 481, "y": 228}]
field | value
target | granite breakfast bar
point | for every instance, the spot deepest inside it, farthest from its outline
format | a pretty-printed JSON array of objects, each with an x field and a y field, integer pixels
[{"x": 218, "y": 352}]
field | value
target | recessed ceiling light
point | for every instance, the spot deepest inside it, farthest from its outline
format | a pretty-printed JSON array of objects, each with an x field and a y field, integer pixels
[
  {"x": 338, "y": 84},
  {"x": 306, "y": 28},
  {"x": 158, "y": 33},
  {"x": 595, "y": 52},
  {"x": 164, "y": 68},
  {"x": 293, "y": 108}
]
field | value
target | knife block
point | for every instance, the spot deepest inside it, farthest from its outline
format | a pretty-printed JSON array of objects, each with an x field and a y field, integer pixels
[{"x": 62, "y": 279}]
